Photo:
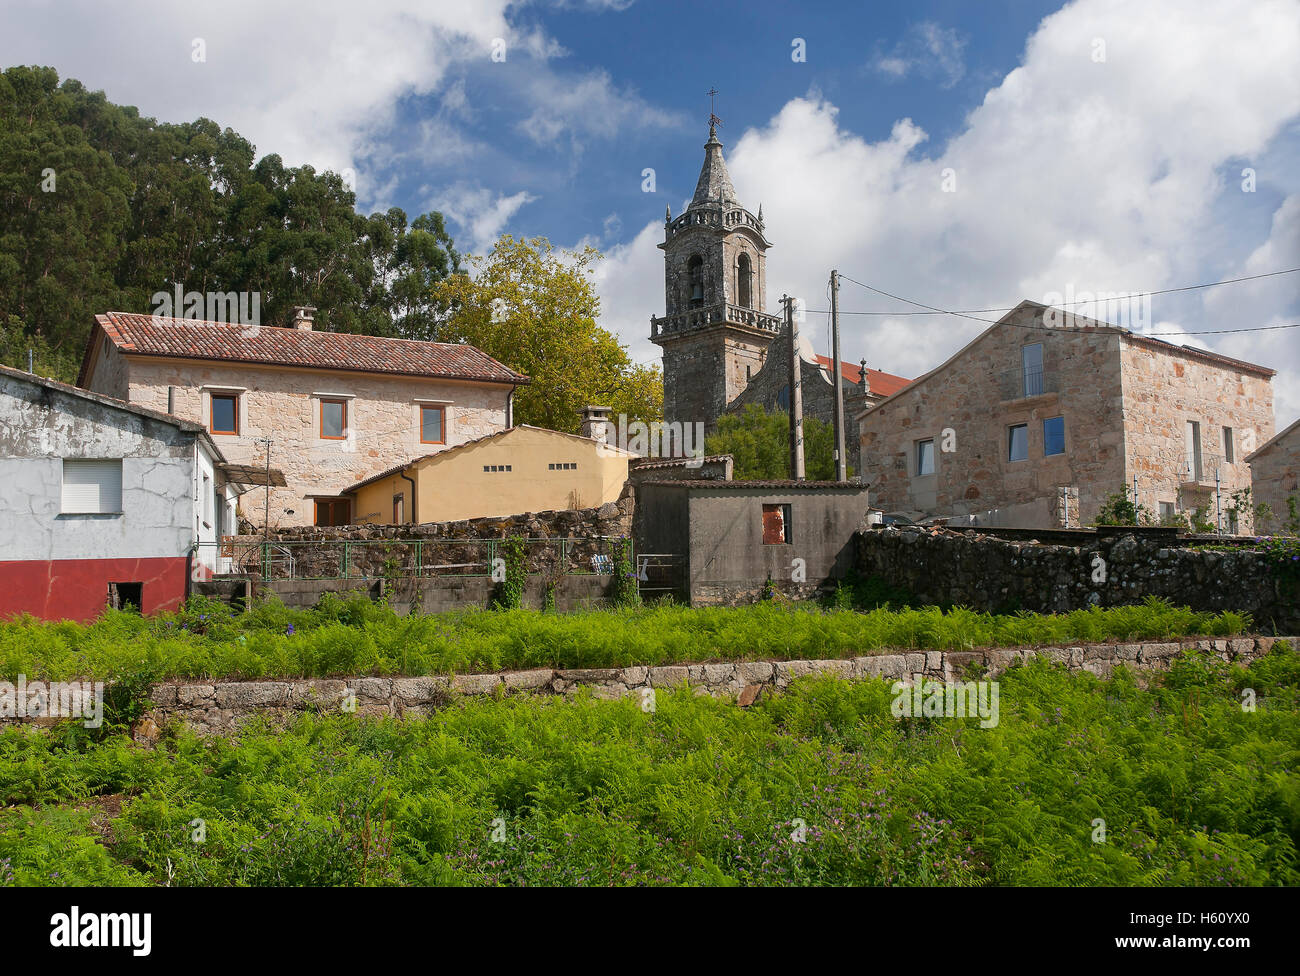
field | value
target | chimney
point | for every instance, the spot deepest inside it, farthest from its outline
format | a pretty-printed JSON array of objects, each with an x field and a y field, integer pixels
[
  {"x": 596, "y": 423},
  {"x": 302, "y": 317}
]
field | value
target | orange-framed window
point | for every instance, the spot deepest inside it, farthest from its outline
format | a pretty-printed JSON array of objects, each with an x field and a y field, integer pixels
[
  {"x": 334, "y": 420},
  {"x": 225, "y": 413},
  {"x": 433, "y": 424}
]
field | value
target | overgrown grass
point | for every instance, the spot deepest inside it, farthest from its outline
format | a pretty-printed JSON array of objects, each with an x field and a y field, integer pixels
[
  {"x": 1193, "y": 791},
  {"x": 358, "y": 637}
]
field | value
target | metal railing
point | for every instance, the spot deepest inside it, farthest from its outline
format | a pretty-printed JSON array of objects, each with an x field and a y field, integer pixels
[
  {"x": 660, "y": 572},
  {"x": 1199, "y": 469},
  {"x": 1013, "y": 384},
  {"x": 331, "y": 559}
]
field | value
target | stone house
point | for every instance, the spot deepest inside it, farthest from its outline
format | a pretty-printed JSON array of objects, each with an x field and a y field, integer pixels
[
  {"x": 102, "y": 502},
  {"x": 1275, "y": 475},
  {"x": 722, "y": 348},
  {"x": 513, "y": 471},
  {"x": 1037, "y": 426},
  {"x": 337, "y": 408}
]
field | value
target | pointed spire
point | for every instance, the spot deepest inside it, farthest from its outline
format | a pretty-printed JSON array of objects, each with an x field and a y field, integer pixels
[
  {"x": 668, "y": 213},
  {"x": 714, "y": 186},
  {"x": 760, "y": 214}
]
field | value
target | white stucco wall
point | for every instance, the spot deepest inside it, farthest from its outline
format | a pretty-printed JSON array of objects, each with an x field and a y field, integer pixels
[
  {"x": 215, "y": 518},
  {"x": 39, "y": 428}
]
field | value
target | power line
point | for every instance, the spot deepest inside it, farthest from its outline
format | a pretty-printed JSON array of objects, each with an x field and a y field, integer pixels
[
  {"x": 932, "y": 310},
  {"x": 1137, "y": 294}
]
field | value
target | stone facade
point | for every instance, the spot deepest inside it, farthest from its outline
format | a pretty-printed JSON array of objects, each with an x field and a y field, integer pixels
[
  {"x": 219, "y": 707},
  {"x": 1106, "y": 568},
  {"x": 383, "y": 424},
  {"x": 716, "y": 330},
  {"x": 1275, "y": 476},
  {"x": 373, "y": 551},
  {"x": 1167, "y": 388},
  {"x": 722, "y": 349},
  {"x": 1119, "y": 405}
]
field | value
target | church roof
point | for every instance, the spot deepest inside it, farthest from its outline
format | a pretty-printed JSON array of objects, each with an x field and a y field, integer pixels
[
  {"x": 714, "y": 186},
  {"x": 885, "y": 384}
]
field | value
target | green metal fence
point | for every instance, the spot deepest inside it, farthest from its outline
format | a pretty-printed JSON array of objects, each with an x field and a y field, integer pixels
[{"x": 336, "y": 559}]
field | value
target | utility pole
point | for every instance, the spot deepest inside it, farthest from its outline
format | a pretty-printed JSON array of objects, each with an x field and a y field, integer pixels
[
  {"x": 1218, "y": 500},
  {"x": 796, "y": 393},
  {"x": 266, "y": 517},
  {"x": 841, "y": 470}
]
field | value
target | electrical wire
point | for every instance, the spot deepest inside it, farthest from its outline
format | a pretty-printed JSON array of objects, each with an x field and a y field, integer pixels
[{"x": 933, "y": 310}]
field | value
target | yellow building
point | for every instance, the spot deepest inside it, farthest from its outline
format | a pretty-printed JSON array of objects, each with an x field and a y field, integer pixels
[{"x": 521, "y": 469}]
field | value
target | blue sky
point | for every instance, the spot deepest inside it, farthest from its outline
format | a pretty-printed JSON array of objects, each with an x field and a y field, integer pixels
[
  {"x": 669, "y": 54},
  {"x": 1098, "y": 145}
]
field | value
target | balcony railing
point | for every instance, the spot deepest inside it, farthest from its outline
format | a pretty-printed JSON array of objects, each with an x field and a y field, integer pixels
[
  {"x": 723, "y": 313},
  {"x": 1014, "y": 384},
  {"x": 1199, "y": 472}
]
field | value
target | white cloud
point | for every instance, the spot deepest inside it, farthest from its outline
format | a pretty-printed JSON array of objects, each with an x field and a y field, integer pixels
[
  {"x": 315, "y": 88},
  {"x": 630, "y": 282},
  {"x": 928, "y": 50},
  {"x": 587, "y": 108},
  {"x": 1071, "y": 173},
  {"x": 480, "y": 213}
]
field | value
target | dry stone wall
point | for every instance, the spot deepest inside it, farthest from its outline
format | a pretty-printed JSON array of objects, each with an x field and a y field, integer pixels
[
  {"x": 1106, "y": 569},
  {"x": 219, "y": 707},
  {"x": 317, "y": 550}
]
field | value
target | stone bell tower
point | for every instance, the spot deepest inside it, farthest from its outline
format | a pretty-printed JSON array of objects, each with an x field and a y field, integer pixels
[{"x": 716, "y": 329}]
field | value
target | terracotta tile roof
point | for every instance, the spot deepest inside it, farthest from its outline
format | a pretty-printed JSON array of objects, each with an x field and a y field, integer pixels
[
  {"x": 760, "y": 485},
  {"x": 149, "y": 335},
  {"x": 884, "y": 384}
]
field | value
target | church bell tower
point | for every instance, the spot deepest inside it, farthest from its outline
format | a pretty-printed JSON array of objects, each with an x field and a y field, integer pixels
[{"x": 715, "y": 330}]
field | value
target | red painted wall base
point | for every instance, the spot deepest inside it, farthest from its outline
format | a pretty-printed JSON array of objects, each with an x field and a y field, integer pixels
[{"x": 77, "y": 589}]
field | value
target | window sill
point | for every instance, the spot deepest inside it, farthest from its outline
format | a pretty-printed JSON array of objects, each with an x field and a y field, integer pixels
[{"x": 89, "y": 515}]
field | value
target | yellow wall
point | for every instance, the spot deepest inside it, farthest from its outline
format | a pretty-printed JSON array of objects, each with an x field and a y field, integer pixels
[{"x": 453, "y": 485}]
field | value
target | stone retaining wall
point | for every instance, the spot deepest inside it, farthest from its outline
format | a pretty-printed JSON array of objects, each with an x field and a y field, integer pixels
[
  {"x": 1106, "y": 568},
  {"x": 317, "y": 550},
  {"x": 219, "y": 706}
]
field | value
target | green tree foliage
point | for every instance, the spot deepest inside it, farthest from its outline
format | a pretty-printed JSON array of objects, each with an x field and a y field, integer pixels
[
  {"x": 535, "y": 308},
  {"x": 760, "y": 443},
  {"x": 100, "y": 209}
]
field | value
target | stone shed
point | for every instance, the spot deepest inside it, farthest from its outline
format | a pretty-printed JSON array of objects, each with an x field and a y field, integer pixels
[{"x": 726, "y": 539}]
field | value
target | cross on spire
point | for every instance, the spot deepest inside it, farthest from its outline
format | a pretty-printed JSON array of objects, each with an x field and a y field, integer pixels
[{"x": 713, "y": 119}]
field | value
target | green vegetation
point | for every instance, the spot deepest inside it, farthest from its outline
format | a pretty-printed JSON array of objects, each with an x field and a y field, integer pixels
[
  {"x": 760, "y": 443},
  {"x": 1192, "y": 789},
  {"x": 358, "y": 637},
  {"x": 509, "y": 593},
  {"x": 100, "y": 209},
  {"x": 536, "y": 309}
]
